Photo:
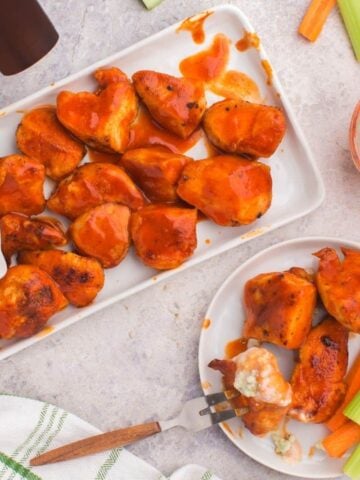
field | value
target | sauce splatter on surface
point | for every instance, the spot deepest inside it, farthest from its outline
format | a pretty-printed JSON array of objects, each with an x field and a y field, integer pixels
[
  {"x": 254, "y": 233},
  {"x": 208, "y": 241},
  {"x": 195, "y": 25},
  {"x": 46, "y": 331},
  {"x": 249, "y": 40},
  {"x": 236, "y": 85},
  {"x": 206, "y": 323},
  {"x": 227, "y": 428},
  {"x": 268, "y": 70},
  {"x": 146, "y": 132},
  {"x": 210, "y": 63},
  {"x": 234, "y": 347},
  {"x": 205, "y": 385},
  {"x": 101, "y": 157}
]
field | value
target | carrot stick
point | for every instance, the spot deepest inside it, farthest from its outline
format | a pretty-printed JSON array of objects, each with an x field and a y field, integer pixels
[
  {"x": 338, "y": 442},
  {"x": 315, "y": 18},
  {"x": 353, "y": 382}
]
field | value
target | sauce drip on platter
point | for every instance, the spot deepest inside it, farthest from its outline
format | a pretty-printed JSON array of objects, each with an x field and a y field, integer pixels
[
  {"x": 249, "y": 40},
  {"x": 145, "y": 132},
  {"x": 195, "y": 25},
  {"x": 209, "y": 63}
]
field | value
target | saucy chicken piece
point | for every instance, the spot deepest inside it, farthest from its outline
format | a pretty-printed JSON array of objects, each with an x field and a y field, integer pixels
[
  {"x": 177, "y": 104},
  {"x": 229, "y": 190},
  {"x": 102, "y": 119},
  {"x": 339, "y": 285},
  {"x": 156, "y": 170},
  {"x": 21, "y": 185},
  {"x": 256, "y": 375},
  {"x": 40, "y": 135},
  {"x": 28, "y": 298},
  {"x": 245, "y": 128},
  {"x": 103, "y": 233},
  {"x": 279, "y": 307},
  {"x": 19, "y": 232},
  {"x": 91, "y": 185},
  {"x": 79, "y": 278},
  {"x": 318, "y": 378},
  {"x": 164, "y": 236}
]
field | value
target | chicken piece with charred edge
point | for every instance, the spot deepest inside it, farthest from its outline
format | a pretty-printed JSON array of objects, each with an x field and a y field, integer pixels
[
  {"x": 177, "y": 104},
  {"x": 102, "y": 119},
  {"x": 79, "y": 278},
  {"x": 91, "y": 185},
  {"x": 245, "y": 128},
  {"x": 156, "y": 170},
  {"x": 103, "y": 233},
  {"x": 318, "y": 378},
  {"x": 256, "y": 375},
  {"x": 28, "y": 298},
  {"x": 339, "y": 285},
  {"x": 230, "y": 190},
  {"x": 40, "y": 135},
  {"x": 279, "y": 307},
  {"x": 19, "y": 232},
  {"x": 164, "y": 236},
  {"x": 21, "y": 185}
]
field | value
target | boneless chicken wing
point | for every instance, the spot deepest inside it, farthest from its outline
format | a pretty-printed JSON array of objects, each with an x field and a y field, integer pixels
[
  {"x": 317, "y": 381},
  {"x": 79, "y": 278},
  {"x": 279, "y": 307},
  {"x": 245, "y": 128},
  {"x": 28, "y": 298},
  {"x": 19, "y": 232},
  {"x": 156, "y": 170},
  {"x": 103, "y": 119},
  {"x": 229, "y": 190},
  {"x": 256, "y": 375},
  {"x": 103, "y": 233},
  {"x": 91, "y": 185},
  {"x": 339, "y": 285},
  {"x": 21, "y": 185},
  {"x": 177, "y": 104},
  {"x": 164, "y": 236},
  {"x": 40, "y": 135}
]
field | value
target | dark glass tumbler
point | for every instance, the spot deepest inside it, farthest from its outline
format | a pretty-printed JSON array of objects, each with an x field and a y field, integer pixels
[{"x": 26, "y": 35}]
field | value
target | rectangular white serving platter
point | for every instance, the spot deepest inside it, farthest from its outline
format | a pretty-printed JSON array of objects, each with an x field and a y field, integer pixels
[{"x": 297, "y": 185}]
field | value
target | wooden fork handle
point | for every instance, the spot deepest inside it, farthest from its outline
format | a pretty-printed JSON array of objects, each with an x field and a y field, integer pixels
[{"x": 97, "y": 443}]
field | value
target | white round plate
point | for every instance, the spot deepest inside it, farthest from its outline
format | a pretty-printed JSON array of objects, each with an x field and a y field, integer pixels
[{"x": 226, "y": 317}]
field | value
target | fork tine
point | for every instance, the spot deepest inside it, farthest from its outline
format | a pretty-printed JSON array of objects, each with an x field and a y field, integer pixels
[
  {"x": 219, "y": 417},
  {"x": 215, "y": 398}
]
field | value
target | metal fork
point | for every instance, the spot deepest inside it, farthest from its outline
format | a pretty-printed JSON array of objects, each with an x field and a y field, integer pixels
[{"x": 195, "y": 415}]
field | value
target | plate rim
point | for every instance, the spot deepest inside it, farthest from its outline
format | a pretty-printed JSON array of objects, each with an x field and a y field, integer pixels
[
  {"x": 223, "y": 286},
  {"x": 227, "y": 245}
]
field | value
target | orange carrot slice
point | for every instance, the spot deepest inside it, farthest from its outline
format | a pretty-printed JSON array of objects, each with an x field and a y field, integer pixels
[
  {"x": 353, "y": 382},
  {"x": 315, "y": 18},
  {"x": 340, "y": 441}
]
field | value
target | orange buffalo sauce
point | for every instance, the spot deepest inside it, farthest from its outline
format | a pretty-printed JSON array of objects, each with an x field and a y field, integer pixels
[
  {"x": 210, "y": 63},
  {"x": 249, "y": 40},
  {"x": 236, "y": 85},
  {"x": 206, "y": 323},
  {"x": 146, "y": 132},
  {"x": 235, "y": 347},
  {"x": 103, "y": 157},
  {"x": 268, "y": 70},
  {"x": 195, "y": 25}
]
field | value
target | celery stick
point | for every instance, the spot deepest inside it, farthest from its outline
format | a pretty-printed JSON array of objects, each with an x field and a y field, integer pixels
[
  {"x": 350, "y": 11},
  {"x": 149, "y": 4},
  {"x": 352, "y": 466},
  {"x": 352, "y": 411}
]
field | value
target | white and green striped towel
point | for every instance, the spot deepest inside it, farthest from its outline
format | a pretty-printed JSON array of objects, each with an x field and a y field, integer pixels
[{"x": 29, "y": 427}]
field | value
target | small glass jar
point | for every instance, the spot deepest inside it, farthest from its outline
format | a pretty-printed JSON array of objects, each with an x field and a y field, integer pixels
[{"x": 355, "y": 136}]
